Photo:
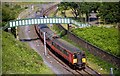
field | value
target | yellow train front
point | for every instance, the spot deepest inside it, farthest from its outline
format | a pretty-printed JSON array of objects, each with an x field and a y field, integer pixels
[
  {"x": 79, "y": 60},
  {"x": 72, "y": 54}
]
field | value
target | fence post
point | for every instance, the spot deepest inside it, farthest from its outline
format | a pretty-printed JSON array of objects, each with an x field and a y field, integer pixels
[{"x": 111, "y": 71}]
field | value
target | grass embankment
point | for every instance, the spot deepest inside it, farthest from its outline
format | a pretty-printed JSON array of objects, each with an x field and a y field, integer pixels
[
  {"x": 19, "y": 58},
  {"x": 104, "y": 38},
  {"x": 96, "y": 63}
]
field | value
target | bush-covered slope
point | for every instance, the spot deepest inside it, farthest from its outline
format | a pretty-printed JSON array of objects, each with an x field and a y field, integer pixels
[{"x": 19, "y": 58}]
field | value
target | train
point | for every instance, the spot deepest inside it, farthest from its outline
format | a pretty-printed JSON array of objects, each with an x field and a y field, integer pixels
[{"x": 72, "y": 54}]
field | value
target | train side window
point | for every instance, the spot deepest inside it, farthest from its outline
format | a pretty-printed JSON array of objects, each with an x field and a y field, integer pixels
[
  {"x": 57, "y": 46},
  {"x": 65, "y": 52},
  {"x": 52, "y": 43},
  {"x": 60, "y": 48}
]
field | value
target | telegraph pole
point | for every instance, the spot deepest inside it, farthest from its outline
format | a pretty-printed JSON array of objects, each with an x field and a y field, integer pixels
[{"x": 45, "y": 44}]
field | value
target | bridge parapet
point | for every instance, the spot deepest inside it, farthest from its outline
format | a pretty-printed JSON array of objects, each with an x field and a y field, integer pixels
[{"x": 48, "y": 20}]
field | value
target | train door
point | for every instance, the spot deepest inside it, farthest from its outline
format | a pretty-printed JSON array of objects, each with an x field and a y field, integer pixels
[
  {"x": 70, "y": 57},
  {"x": 79, "y": 58},
  {"x": 75, "y": 59}
]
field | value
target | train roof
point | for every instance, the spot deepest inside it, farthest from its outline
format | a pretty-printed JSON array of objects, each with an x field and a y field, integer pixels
[
  {"x": 66, "y": 45},
  {"x": 46, "y": 29},
  {"x": 59, "y": 41},
  {"x": 42, "y": 26}
]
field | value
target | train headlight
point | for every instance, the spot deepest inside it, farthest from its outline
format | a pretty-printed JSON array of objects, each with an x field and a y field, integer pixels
[
  {"x": 84, "y": 60},
  {"x": 74, "y": 61}
]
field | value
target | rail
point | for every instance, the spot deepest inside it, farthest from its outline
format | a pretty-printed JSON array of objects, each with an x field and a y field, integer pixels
[{"x": 74, "y": 72}]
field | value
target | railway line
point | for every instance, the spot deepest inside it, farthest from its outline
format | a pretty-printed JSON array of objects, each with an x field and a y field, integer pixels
[
  {"x": 87, "y": 71},
  {"x": 82, "y": 72}
]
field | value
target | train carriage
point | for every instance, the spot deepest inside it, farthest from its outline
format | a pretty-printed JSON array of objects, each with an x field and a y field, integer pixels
[{"x": 69, "y": 52}]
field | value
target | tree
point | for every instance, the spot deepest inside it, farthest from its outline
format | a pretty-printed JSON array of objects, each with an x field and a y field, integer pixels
[
  {"x": 63, "y": 6},
  {"x": 75, "y": 7},
  {"x": 109, "y": 12},
  {"x": 85, "y": 8}
]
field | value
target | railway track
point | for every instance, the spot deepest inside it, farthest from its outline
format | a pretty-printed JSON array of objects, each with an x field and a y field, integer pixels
[
  {"x": 78, "y": 72},
  {"x": 60, "y": 62},
  {"x": 87, "y": 71}
]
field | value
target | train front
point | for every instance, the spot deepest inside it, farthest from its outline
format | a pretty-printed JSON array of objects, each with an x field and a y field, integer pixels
[{"x": 79, "y": 60}]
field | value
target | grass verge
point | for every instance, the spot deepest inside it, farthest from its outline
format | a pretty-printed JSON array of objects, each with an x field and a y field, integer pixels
[{"x": 19, "y": 58}]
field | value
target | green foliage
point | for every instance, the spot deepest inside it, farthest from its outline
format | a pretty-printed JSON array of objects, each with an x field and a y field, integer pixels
[
  {"x": 109, "y": 12},
  {"x": 19, "y": 58},
  {"x": 103, "y": 64},
  {"x": 75, "y": 9},
  {"x": 104, "y": 38},
  {"x": 9, "y": 12},
  {"x": 63, "y": 6},
  {"x": 6, "y": 14}
]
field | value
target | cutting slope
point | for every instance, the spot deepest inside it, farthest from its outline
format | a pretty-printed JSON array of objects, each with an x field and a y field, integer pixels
[{"x": 19, "y": 58}]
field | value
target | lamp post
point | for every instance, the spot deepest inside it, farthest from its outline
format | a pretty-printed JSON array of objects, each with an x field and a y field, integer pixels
[{"x": 45, "y": 44}]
